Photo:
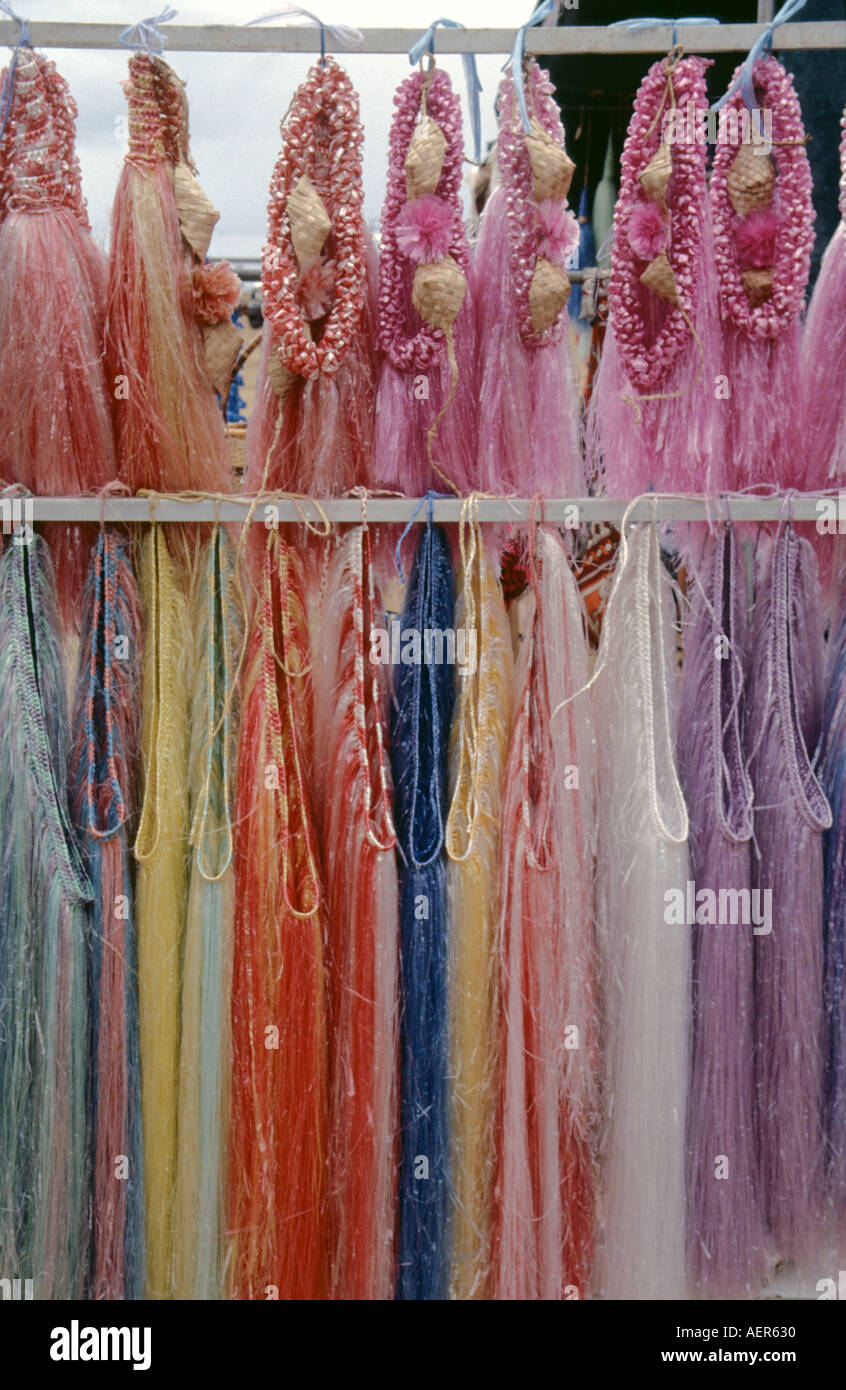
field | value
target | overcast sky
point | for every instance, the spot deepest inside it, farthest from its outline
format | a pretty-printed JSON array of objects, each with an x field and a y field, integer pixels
[{"x": 237, "y": 100}]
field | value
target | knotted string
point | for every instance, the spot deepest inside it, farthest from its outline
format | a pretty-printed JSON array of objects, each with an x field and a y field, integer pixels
[
  {"x": 101, "y": 682},
  {"x": 471, "y": 77}
]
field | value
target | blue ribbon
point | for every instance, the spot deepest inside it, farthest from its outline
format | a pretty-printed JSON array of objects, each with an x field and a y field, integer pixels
[
  {"x": 9, "y": 87},
  {"x": 657, "y": 23},
  {"x": 343, "y": 33},
  {"x": 762, "y": 44},
  {"x": 543, "y": 11},
  {"x": 146, "y": 34},
  {"x": 426, "y": 43}
]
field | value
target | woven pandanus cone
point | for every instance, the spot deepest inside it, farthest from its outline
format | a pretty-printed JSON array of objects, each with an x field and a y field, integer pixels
[
  {"x": 655, "y": 177},
  {"x": 309, "y": 221},
  {"x": 424, "y": 158},
  {"x": 195, "y": 210},
  {"x": 552, "y": 167},
  {"x": 750, "y": 179},
  {"x": 658, "y": 277},
  {"x": 758, "y": 285},
  {"x": 548, "y": 293},
  {"x": 438, "y": 292},
  {"x": 280, "y": 377},
  {"x": 221, "y": 344}
]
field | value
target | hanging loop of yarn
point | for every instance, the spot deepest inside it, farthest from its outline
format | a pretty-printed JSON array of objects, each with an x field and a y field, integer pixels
[
  {"x": 540, "y": 849},
  {"x": 423, "y": 856},
  {"x": 71, "y": 873},
  {"x": 219, "y": 577},
  {"x": 378, "y": 819},
  {"x": 465, "y": 800},
  {"x": 276, "y": 563},
  {"x": 105, "y": 584},
  {"x": 147, "y": 838},
  {"x": 671, "y": 820},
  {"x": 810, "y": 797}
]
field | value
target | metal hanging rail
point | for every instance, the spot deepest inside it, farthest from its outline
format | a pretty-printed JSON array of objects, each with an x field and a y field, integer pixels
[
  {"x": 572, "y": 511},
  {"x": 232, "y": 38},
  {"x": 289, "y": 38}
]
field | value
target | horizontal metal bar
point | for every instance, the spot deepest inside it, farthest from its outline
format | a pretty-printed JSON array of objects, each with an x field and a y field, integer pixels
[
  {"x": 289, "y": 38},
  {"x": 572, "y": 511},
  {"x": 249, "y": 271}
]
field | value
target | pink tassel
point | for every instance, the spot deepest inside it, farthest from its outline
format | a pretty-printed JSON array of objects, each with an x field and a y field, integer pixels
[
  {"x": 426, "y": 404},
  {"x": 55, "y": 424},
  {"x": 543, "y": 1215},
  {"x": 312, "y": 425},
  {"x": 362, "y": 948},
  {"x": 528, "y": 404},
  {"x": 761, "y": 327},
  {"x": 654, "y": 419},
  {"x": 169, "y": 428},
  {"x": 823, "y": 391}
]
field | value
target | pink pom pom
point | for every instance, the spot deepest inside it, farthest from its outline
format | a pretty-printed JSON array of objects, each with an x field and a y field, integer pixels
[
  {"x": 559, "y": 231},
  {"x": 216, "y": 289},
  {"x": 424, "y": 228},
  {"x": 316, "y": 289},
  {"x": 755, "y": 239},
  {"x": 647, "y": 230}
]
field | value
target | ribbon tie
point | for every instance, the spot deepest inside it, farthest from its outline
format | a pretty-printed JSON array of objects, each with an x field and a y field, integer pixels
[
  {"x": 763, "y": 44},
  {"x": 545, "y": 10},
  {"x": 146, "y": 34},
  {"x": 425, "y": 43},
  {"x": 344, "y": 33}
]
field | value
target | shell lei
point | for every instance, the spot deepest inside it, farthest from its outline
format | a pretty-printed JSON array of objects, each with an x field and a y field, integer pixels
[
  {"x": 528, "y": 435},
  {"x": 316, "y": 195},
  {"x": 678, "y": 184},
  {"x": 535, "y": 170},
  {"x": 653, "y": 417},
  {"x": 425, "y": 321},
  {"x": 761, "y": 305}
]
